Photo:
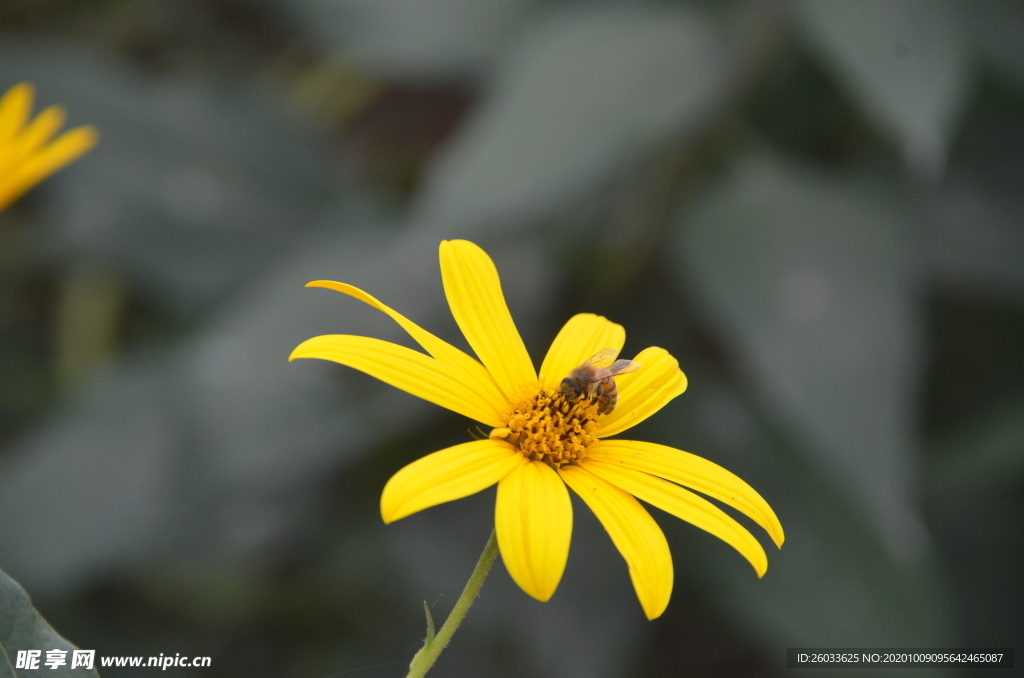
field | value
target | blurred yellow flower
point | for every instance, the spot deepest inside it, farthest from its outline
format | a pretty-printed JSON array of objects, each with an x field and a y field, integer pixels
[
  {"x": 28, "y": 154},
  {"x": 541, "y": 441}
]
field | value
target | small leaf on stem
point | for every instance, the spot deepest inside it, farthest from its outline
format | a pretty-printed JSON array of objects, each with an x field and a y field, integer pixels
[{"x": 430, "y": 625}]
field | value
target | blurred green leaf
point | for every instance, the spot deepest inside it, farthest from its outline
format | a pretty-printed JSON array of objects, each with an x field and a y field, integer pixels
[
  {"x": 813, "y": 284},
  {"x": 996, "y": 28},
  {"x": 975, "y": 238},
  {"x": 586, "y": 89},
  {"x": 429, "y": 40},
  {"x": 87, "y": 487},
  {"x": 905, "y": 62},
  {"x": 23, "y": 628},
  {"x": 987, "y": 454}
]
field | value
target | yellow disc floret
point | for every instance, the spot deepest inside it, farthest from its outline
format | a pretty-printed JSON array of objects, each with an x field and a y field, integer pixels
[{"x": 544, "y": 426}]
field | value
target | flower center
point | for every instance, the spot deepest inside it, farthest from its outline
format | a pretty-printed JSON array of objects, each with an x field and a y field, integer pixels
[{"x": 544, "y": 426}]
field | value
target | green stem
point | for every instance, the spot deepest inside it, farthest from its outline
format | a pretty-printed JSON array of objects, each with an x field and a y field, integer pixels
[{"x": 426, "y": 657}]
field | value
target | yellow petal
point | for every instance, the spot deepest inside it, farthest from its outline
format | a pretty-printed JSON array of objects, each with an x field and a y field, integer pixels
[
  {"x": 45, "y": 161},
  {"x": 474, "y": 294},
  {"x": 39, "y": 130},
  {"x": 684, "y": 504},
  {"x": 584, "y": 335},
  {"x": 644, "y": 392},
  {"x": 403, "y": 368},
  {"x": 14, "y": 110},
  {"x": 449, "y": 474},
  {"x": 477, "y": 376},
  {"x": 533, "y": 521},
  {"x": 634, "y": 533},
  {"x": 694, "y": 472},
  {"x": 36, "y": 133}
]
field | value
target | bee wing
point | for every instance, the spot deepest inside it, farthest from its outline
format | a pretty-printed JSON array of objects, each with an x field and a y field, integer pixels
[
  {"x": 624, "y": 367},
  {"x": 605, "y": 355}
]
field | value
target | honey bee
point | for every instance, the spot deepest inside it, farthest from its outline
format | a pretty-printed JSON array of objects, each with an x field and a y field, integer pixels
[{"x": 597, "y": 382}]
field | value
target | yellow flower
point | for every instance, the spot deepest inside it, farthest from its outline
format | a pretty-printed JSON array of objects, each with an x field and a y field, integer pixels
[
  {"x": 542, "y": 442},
  {"x": 27, "y": 153}
]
